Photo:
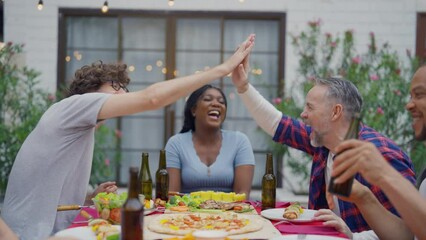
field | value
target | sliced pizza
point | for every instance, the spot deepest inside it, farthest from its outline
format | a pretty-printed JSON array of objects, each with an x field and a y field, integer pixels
[{"x": 181, "y": 224}]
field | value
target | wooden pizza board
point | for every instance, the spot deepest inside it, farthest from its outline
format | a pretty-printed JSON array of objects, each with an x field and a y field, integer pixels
[{"x": 268, "y": 231}]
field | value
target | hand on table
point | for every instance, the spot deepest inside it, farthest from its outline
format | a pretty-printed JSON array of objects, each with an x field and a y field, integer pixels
[
  {"x": 332, "y": 220},
  {"x": 107, "y": 187}
]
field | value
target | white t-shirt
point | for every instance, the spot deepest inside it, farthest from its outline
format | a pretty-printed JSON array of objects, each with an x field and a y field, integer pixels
[{"x": 53, "y": 168}]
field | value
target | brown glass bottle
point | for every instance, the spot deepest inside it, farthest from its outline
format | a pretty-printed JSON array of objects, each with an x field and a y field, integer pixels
[
  {"x": 145, "y": 179},
  {"x": 162, "y": 178},
  {"x": 132, "y": 210},
  {"x": 269, "y": 184},
  {"x": 345, "y": 188}
]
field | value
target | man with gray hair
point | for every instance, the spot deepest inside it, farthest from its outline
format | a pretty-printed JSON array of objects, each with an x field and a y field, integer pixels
[{"x": 329, "y": 107}]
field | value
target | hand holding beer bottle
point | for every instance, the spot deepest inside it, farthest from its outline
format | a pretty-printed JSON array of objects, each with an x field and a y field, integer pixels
[{"x": 345, "y": 188}]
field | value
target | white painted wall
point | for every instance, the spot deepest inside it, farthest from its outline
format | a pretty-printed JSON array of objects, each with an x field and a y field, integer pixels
[{"x": 393, "y": 21}]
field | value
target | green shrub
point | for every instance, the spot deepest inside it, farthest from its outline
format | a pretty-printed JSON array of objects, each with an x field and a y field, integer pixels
[{"x": 21, "y": 106}]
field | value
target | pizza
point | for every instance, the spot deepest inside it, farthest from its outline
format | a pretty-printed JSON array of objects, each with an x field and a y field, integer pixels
[{"x": 181, "y": 224}]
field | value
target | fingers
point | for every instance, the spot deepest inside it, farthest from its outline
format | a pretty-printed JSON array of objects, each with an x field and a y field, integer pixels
[
  {"x": 329, "y": 198},
  {"x": 247, "y": 45},
  {"x": 246, "y": 62},
  {"x": 345, "y": 145},
  {"x": 345, "y": 165},
  {"x": 324, "y": 214},
  {"x": 107, "y": 187}
]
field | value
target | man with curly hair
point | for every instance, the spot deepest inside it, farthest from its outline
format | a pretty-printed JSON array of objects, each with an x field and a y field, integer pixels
[{"x": 53, "y": 165}]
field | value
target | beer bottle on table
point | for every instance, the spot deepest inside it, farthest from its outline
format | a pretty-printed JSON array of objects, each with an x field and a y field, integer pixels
[
  {"x": 162, "y": 178},
  {"x": 269, "y": 184},
  {"x": 145, "y": 177},
  {"x": 132, "y": 210},
  {"x": 345, "y": 188}
]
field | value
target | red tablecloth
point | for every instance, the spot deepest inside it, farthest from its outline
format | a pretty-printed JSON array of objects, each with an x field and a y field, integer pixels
[{"x": 316, "y": 228}]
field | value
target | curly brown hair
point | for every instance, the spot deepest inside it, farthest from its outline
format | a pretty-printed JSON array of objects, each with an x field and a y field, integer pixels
[{"x": 90, "y": 78}]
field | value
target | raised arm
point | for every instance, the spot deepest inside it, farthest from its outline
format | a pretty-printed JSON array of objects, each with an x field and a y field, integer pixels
[
  {"x": 263, "y": 112},
  {"x": 166, "y": 92}
]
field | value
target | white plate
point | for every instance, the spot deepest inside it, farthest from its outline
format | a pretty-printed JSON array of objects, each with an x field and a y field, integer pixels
[
  {"x": 81, "y": 233},
  {"x": 147, "y": 211},
  {"x": 306, "y": 237},
  {"x": 277, "y": 214}
]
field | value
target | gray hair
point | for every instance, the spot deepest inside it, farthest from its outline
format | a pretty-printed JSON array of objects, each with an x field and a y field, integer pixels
[{"x": 344, "y": 92}]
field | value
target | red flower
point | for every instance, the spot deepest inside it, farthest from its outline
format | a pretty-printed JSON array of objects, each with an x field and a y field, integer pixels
[
  {"x": 380, "y": 111},
  {"x": 51, "y": 97},
  {"x": 118, "y": 133},
  {"x": 398, "y": 71},
  {"x": 356, "y": 60},
  {"x": 374, "y": 77},
  {"x": 277, "y": 100}
]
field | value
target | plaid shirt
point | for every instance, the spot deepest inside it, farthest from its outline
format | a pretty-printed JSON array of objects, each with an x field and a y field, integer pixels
[{"x": 295, "y": 133}]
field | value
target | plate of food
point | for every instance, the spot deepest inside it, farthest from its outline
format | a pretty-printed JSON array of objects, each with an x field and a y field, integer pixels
[
  {"x": 109, "y": 205},
  {"x": 209, "y": 202},
  {"x": 292, "y": 213},
  {"x": 98, "y": 229}
]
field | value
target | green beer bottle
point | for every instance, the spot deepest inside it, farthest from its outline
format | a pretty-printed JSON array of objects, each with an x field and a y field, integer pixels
[
  {"x": 269, "y": 184},
  {"x": 162, "y": 178},
  {"x": 145, "y": 177}
]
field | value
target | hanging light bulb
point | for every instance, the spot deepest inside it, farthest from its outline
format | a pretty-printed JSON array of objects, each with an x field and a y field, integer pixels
[
  {"x": 171, "y": 3},
  {"x": 40, "y": 5},
  {"x": 105, "y": 7}
]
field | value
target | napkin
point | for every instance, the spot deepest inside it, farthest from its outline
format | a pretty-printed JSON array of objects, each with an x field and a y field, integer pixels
[{"x": 308, "y": 229}]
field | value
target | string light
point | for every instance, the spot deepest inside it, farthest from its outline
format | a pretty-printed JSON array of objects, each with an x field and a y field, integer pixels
[
  {"x": 40, "y": 5},
  {"x": 171, "y": 2},
  {"x": 105, "y": 7}
]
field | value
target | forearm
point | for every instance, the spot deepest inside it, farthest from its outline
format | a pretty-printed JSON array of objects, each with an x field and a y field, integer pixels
[
  {"x": 263, "y": 112},
  {"x": 407, "y": 201},
  {"x": 384, "y": 223},
  {"x": 88, "y": 200},
  {"x": 6, "y": 232},
  {"x": 174, "y": 179},
  {"x": 243, "y": 179},
  {"x": 166, "y": 92},
  {"x": 157, "y": 95}
]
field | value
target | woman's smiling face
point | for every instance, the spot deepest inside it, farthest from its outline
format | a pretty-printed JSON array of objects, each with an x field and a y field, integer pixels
[{"x": 210, "y": 109}]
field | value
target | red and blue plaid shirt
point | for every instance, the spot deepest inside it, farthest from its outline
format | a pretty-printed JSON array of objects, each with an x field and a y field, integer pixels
[{"x": 295, "y": 133}]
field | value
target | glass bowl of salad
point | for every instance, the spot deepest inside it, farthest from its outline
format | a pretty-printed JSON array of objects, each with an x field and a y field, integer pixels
[{"x": 109, "y": 205}]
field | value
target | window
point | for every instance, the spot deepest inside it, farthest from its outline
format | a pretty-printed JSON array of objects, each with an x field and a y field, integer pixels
[
  {"x": 159, "y": 46},
  {"x": 421, "y": 37}
]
